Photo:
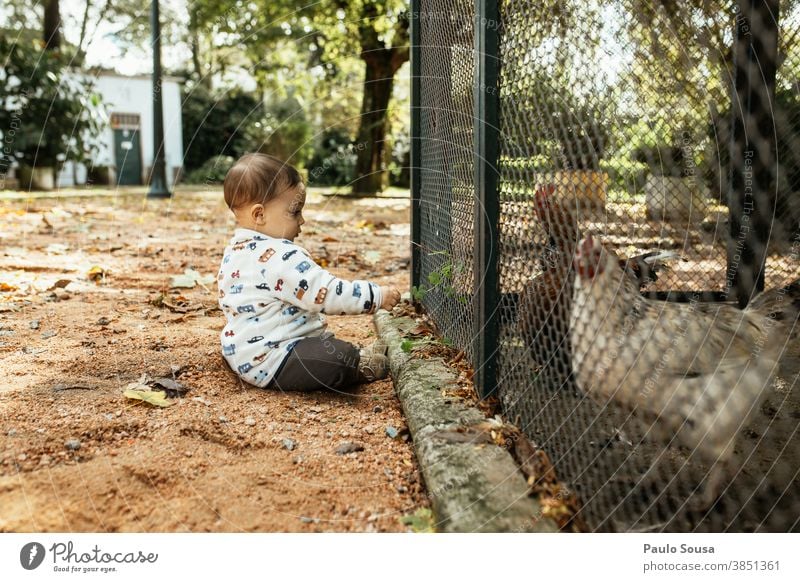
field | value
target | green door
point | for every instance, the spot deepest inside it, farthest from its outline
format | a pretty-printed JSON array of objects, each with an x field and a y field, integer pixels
[{"x": 128, "y": 156}]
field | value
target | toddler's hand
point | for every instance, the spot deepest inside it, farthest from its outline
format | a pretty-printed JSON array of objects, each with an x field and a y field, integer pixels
[{"x": 390, "y": 296}]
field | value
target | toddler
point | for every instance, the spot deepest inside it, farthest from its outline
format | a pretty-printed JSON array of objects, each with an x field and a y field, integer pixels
[{"x": 273, "y": 294}]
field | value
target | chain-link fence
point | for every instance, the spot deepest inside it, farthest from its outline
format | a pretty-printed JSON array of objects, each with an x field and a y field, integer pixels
[{"x": 669, "y": 132}]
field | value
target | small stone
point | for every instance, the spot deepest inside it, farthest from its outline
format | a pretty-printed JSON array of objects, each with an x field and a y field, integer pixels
[
  {"x": 45, "y": 460},
  {"x": 369, "y": 429},
  {"x": 223, "y": 419},
  {"x": 11, "y": 432},
  {"x": 377, "y": 408},
  {"x": 298, "y": 459},
  {"x": 391, "y": 432},
  {"x": 349, "y": 447},
  {"x": 48, "y": 334},
  {"x": 73, "y": 444},
  {"x": 250, "y": 421},
  {"x": 22, "y": 457},
  {"x": 402, "y": 489},
  {"x": 288, "y": 444},
  {"x": 103, "y": 321},
  {"x": 109, "y": 416},
  {"x": 34, "y": 324},
  {"x": 305, "y": 519}
]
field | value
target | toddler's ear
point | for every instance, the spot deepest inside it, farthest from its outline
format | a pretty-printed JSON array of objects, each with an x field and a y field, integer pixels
[{"x": 257, "y": 214}]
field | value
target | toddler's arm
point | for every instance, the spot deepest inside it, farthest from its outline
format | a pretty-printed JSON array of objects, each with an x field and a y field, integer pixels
[{"x": 298, "y": 280}]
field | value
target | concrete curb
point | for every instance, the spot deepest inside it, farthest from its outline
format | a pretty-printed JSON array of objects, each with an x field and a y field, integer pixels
[{"x": 473, "y": 487}]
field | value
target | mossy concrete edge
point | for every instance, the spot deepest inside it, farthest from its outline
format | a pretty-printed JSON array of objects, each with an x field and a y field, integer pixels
[{"x": 472, "y": 487}]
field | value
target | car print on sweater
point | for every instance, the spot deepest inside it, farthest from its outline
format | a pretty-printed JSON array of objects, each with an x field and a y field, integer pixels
[{"x": 273, "y": 294}]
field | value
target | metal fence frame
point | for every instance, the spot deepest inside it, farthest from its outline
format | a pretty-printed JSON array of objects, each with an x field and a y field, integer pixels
[{"x": 752, "y": 139}]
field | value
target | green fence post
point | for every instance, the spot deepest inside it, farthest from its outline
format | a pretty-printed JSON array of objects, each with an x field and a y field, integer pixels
[
  {"x": 416, "y": 166},
  {"x": 487, "y": 204}
]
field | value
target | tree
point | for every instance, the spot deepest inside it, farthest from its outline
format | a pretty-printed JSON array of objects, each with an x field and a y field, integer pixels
[
  {"x": 52, "y": 25},
  {"x": 330, "y": 35},
  {"x": 382, "y": 60},
  {"x": 50, "y": 114}
]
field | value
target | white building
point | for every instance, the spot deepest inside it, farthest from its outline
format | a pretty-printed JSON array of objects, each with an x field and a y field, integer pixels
[{"x": 127, "y": 141}]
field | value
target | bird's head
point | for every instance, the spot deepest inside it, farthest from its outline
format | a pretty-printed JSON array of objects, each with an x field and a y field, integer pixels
[{"x": 591, "y": 259}]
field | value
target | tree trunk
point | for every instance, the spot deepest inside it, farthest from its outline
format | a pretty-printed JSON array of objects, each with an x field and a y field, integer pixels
[
  {"x": 378, "y": 82},
  {"x": 52, "y": 25},
  {"x": 194, "y": 43}
]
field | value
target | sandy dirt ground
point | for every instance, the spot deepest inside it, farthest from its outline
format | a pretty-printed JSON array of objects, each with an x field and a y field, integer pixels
[{"x": 88, "y": 307}]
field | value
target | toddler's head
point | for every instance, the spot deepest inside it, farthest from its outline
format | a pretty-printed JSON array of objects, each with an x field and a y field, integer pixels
[{"x": 266, "y": 195}]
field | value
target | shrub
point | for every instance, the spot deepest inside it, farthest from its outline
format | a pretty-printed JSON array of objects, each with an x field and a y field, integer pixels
[
  {"x": 217, "y": 125},
  {"x": 213, "y": 171},
  {"x": 333, "y": 162}
]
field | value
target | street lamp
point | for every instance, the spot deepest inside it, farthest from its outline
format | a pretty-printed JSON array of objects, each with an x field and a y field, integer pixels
[{"x": 158, "y": 177}]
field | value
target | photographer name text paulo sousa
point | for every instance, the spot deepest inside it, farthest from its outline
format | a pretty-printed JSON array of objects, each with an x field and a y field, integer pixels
[{"x": 681, "y": 549}]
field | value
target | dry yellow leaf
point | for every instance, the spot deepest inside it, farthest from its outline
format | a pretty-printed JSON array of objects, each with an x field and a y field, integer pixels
[
  {"x": 154, "y": 397},
  {"x": 96, "y": 274}
]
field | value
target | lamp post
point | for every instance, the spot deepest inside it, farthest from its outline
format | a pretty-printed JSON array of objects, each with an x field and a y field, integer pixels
[{"x": 158, "y": 177}]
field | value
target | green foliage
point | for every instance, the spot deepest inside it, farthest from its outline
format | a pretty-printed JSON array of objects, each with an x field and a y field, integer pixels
[
  {"x": 584, "y": 133},
  {"x": 213, "y": 171},
  {"x": 284, "y": 132},
  {"x": 334, "y": 160},
  {"x": 663, "y": 160},
  {"x": 421, "y": 521},
  {"x": 51, "y": 113},
  {"x": 441, "y": 279},
  {"x": 216, "y": 125},
  {"x": 400, "y": 160}
]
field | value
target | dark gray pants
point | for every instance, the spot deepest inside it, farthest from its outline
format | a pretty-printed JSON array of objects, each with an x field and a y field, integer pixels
[{"x": 318, "y": 364}]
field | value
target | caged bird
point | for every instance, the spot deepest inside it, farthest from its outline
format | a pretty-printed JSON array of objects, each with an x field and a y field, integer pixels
[
  {"x": 693, "y": 372},
  {"x": 544, "y": 303}
]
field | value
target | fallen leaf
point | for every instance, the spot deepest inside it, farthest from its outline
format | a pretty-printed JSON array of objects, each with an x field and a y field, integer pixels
[
  {"x": 421, "y": 329},
  {"x": 155, "y": 398},
  {"x": 5, "y": 287},
  {"x": 96, "y": 274},
  {"x": 190, "y": 279},
  {"x": 60, "y": 284},
  {"x": 349, "y": 447},
  {"x": 172, "y": 388},
  {"x": 180, "y": 306},
  {"x": 421, "y": 521},
  {"x": 372, "y": 256},
  {"x": 78, "y": 386},
  {"x": 57, "y": 248}
]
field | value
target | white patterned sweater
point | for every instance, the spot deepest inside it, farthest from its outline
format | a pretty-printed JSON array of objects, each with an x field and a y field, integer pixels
[{"x": 273, "y": 295}]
